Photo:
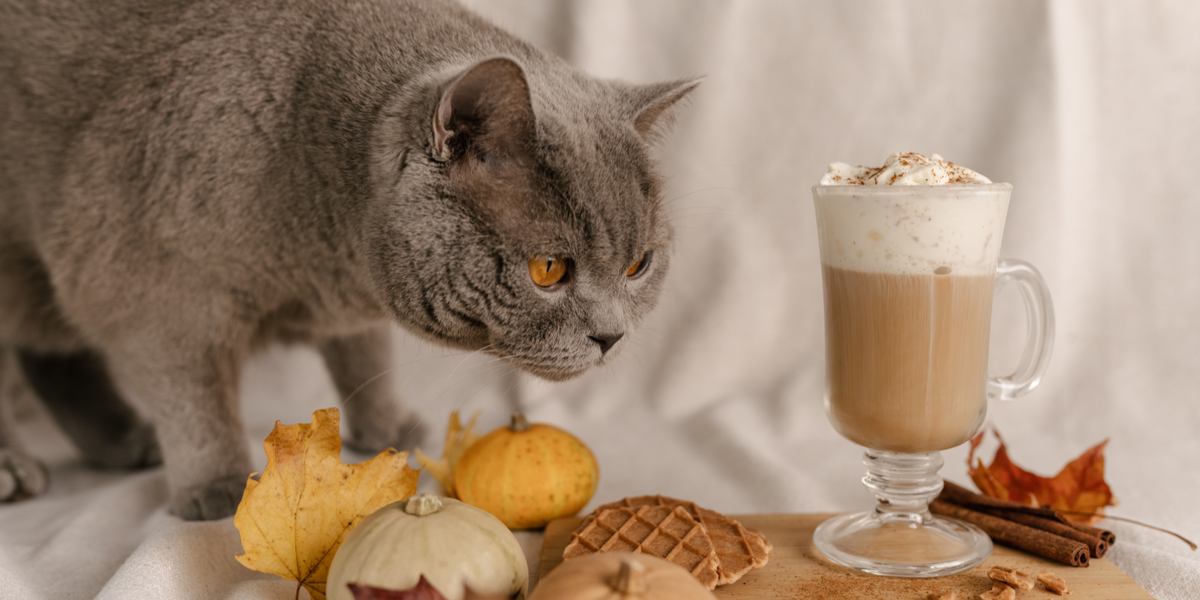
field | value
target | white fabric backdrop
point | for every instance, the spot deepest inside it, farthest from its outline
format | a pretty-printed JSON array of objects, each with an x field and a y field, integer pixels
[{"x": 1090, "y": 108}]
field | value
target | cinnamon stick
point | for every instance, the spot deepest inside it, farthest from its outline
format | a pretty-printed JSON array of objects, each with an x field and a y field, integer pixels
[
  {"x": 960, "y": 495},
  {"x": 952, "y": 492},
  {"x": 1109, "y": 537},
  {"x": 1096, "y": 545},
  {"x": 1035, "y": 541}
]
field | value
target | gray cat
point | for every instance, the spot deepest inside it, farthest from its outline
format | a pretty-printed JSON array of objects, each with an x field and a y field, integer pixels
[{"x": 182, "y": 182}]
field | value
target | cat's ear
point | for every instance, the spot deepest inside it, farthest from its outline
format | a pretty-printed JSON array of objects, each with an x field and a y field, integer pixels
[
  {"x": 653, "y": 105},
  {"x": 486, "y": 109}
]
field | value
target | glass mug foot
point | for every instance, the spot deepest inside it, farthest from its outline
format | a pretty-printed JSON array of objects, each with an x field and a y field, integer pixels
[
  {"x": 932, "y": 547},
  {"x": 901, "y": 538}
]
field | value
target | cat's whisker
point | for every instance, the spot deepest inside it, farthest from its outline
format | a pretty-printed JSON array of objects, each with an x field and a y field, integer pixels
[
  {"x": 699, "y": 222},
  {"x": 495, "y": 359},
  {"x": 684, "y": 208},
  {"x": 507, "y": 387},
  {"x": 346, "y": 401},
  {"x": 681, "y": 196},
  {"x": 686, "y": 211}
]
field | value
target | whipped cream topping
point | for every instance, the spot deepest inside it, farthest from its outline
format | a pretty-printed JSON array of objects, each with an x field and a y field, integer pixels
[
  {"x": 904, "y": 168},
  {"x": 911, "y": 230}
]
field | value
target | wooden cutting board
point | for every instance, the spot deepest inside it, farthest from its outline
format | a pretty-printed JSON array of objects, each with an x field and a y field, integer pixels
[{"x": 796, "y": 570}]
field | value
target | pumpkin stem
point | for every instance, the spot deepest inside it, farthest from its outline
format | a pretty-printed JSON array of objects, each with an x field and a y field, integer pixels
[
  {"x": 630, "y": 578},
  {"x": 422, "y": 504},
  {"x": 519, "y": 423}
]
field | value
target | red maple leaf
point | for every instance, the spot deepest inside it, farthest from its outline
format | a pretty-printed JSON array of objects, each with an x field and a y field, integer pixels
[
  {"x": 1079, "y": 490},
  {"x": 422, "y": 591}
]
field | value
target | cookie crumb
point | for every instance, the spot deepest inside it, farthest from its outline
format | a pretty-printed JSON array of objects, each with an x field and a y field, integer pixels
[
  {"x": 951, "y": 595},
  {"x": 1053, "y": 583},
  {"x": 1012, "y": 577},
  {"x": 999, "y": 591}
]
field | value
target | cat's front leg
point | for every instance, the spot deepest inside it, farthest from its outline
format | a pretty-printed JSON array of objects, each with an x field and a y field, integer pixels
[
  {"x": 21, "y": 476},
  {"x": 189, "y": 392},
  {"x": 361, "y": 367},
  {"x": 79, "y": 393}
]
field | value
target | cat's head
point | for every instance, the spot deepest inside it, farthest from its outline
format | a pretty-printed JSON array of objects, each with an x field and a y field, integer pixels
[{"x": 521, "y": 213}]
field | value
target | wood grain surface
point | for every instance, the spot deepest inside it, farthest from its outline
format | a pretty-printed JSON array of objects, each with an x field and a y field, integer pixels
[{"x": 796, "y": 570}]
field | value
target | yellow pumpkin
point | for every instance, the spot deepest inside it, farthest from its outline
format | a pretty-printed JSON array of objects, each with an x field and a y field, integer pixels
[
  {"x": 620, "y": 576},
  {"x": 527, "y": 475}
]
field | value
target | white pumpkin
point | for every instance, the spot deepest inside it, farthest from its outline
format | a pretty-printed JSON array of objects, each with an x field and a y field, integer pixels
[{"x": 447, "y": 541}]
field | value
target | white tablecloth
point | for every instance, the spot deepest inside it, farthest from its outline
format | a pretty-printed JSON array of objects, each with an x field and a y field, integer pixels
[{"x": 1090, "y": 108}]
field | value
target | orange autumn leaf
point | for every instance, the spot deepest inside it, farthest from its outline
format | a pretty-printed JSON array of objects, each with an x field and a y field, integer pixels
[{"x": 1078, "y": 488}]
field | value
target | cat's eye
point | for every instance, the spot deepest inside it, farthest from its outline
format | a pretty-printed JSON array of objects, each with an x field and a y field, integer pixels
[
  {"x": 547, "y": 271},
  {"x": 639, "y": 266}
]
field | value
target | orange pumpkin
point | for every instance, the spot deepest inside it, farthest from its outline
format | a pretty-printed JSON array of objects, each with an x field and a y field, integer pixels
[{"x": 527, "y": 475}]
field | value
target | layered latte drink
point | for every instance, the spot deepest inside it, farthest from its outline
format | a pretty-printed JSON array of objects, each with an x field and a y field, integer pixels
[{"x": 909, "y": 259}]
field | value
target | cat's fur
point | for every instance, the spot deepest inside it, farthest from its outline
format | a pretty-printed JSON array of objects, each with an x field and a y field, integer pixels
[{"x": 181, "y": 182}]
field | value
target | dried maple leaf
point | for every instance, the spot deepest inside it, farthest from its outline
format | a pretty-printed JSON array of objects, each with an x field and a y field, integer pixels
[
  {"x": 293, "y": 516},
  {"x": 458, "y": 439},
  {"x": 1078, "y": 488}
]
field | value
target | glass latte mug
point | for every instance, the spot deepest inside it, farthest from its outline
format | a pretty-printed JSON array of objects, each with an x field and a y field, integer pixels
[{"x": 909, "y": 276}]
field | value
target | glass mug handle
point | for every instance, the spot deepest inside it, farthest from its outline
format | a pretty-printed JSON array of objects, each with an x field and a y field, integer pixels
[{"x": 1039, "y": 339}]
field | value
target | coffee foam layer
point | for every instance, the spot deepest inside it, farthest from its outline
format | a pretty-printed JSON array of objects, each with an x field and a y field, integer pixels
[
  {"x": 904, "y": 168},
  {"x": 949, "y": 231}
]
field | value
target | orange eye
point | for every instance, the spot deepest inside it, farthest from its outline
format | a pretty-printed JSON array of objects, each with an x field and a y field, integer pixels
[
  {"x": 639, "y": 266},
  {"x": 547, "y": 271}
]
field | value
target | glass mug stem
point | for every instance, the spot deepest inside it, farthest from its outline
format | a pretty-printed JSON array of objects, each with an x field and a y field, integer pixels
[{"x": 903, "y": 484}]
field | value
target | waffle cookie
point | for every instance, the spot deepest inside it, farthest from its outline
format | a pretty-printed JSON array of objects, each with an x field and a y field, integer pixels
[
  {"x": 670, "y": 533},
  {"x": 738, "y": 549}
]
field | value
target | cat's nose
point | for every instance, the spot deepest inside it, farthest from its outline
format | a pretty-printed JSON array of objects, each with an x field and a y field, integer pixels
[{"x": 606, "y": 340}]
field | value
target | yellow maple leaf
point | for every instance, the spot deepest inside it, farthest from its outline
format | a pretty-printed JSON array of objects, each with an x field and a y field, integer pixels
[
  {"x": 293, "y": 516},
  {"x": 458, "y": 439}
]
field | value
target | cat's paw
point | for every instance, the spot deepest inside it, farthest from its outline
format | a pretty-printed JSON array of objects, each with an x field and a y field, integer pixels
[
  {"x": 137, "y": 449},
  {"x": 369, "y": 436},
  {"x": 21, "y": 476},
  {"x": 216, "y": 499}
]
